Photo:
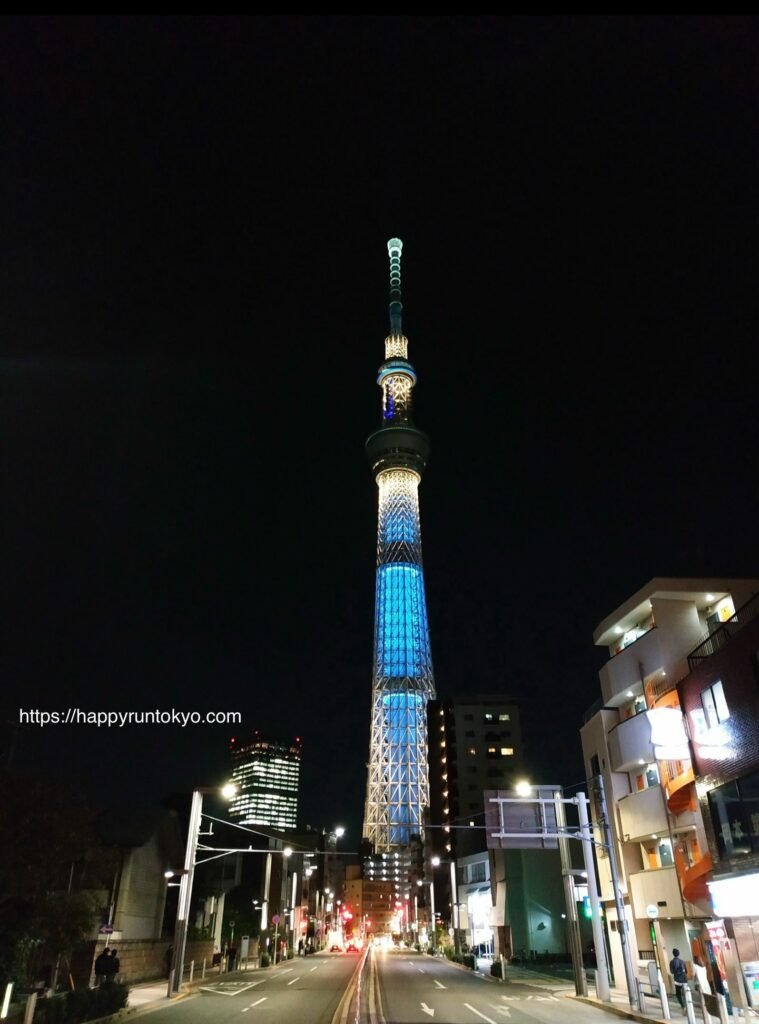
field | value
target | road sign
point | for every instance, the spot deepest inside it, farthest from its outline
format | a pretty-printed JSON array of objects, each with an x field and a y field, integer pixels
[
  {"x": 275, "y": 919},
  {"x": 652, "y": 910},
  {"x": 106, "y": 929}
]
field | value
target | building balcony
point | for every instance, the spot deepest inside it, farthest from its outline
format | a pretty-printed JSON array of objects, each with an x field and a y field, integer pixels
[
  {"x": 657, "y": 887},
  {"x": 630, "y": 743},
  {"x": 622, "y": 672},
  {"x": 642, "y": 814}
]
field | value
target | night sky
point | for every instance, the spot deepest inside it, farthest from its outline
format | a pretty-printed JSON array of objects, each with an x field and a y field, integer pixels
[{"x": 194, "y": 224}]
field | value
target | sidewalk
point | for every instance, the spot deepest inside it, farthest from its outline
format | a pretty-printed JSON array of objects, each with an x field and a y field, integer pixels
[
  {"x": 619, "y": 1005},
  {"x": 152, "y": 995}
]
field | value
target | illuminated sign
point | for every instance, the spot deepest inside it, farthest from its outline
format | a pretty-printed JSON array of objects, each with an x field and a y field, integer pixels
[
  {"x": 735, "y": 897},
  {"x": 668, "y": 734}
]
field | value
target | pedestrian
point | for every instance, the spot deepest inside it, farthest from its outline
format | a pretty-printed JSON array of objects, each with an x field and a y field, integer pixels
[
  {"x": 112, "y": 965},
  {"x": 701, "y": 976},
  {"x": 231, "y": 958},
  {"x": 100, "y": 967},
  {"x": 679, "y": 974},
  {"x": 300, "y": 947}
]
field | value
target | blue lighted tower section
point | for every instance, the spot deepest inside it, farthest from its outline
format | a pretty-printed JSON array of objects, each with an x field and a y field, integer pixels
[{"x": 403, "y": 682}]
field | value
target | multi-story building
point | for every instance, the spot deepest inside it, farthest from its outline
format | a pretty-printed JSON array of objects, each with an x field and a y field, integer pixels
[
  {"x": 475, "y": 745},
  {"x": 720, "y": 701},
  {"x": 266, "y": 773},
  {"x": 397, "y": 788},
  {"x": 634, "y": 742}
]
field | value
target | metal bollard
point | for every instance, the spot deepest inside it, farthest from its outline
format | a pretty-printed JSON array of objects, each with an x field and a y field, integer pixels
[
  {"x": 666, "y": 1015},
  {"x": 170, "y": 990},
  {"x": 722, "y": 1004},
  {"x": 641, "y": 995},
  {"x": 31, "y": 1002},
  {"x": 6, "y": 1000},
  {"x": 203, "y": 972},
  {"x": 192, "y": 969},
  {"x": 689, "y": 1004}
]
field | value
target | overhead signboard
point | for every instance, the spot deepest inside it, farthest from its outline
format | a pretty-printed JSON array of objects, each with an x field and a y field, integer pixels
[{"x": 513, "y": 822}]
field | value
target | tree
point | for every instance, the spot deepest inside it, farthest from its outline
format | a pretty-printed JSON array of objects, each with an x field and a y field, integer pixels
[{"x": 41, "y": 868}]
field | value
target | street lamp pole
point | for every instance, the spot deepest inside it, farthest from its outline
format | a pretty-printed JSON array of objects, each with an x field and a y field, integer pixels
[
  {"x": 455, "y": 907},
  {"x": 185, "y": 894}
]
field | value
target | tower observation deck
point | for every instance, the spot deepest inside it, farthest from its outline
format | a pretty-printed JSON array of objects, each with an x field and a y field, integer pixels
[{"x": 398, "y": 779}]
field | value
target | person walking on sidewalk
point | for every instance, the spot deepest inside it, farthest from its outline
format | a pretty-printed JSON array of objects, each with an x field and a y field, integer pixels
[
  {"x": 679, "y": 974},
  {"x": 701, "y": 976},
  {"x": 100, "y": 967}
]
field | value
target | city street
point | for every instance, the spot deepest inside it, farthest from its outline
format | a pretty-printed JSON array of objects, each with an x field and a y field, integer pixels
[
  {"x": 416, "y": 989},
  {"x": 394, "y": 987},
  {"x": 306, "y": 990}
]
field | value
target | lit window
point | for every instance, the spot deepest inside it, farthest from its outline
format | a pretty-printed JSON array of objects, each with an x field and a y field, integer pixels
[
  {"x": 507, "y": 751},
  {"x": 714, "y": 704},
  {"x": 488, "y": 716},
  {"x": 491, "y": 750},
  {"x": 503, "y": 717},
  {"x": 471, "y": 751}
]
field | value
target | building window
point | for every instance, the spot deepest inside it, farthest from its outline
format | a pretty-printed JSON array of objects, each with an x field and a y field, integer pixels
[
  {"x": 507, "y": 751},
  {"x": 468, "y": 718},
  {"x": 733, "y": 808},
  {"x": 714, "y": 704},
  {"x": 471, "y": 751},
  {"x": 504, "y": 717},
  {"x": 469, "y": 732},
  {"x": 488, "y": 716}
]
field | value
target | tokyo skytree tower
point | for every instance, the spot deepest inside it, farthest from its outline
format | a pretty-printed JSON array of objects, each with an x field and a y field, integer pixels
[{"x": 398, "y": 779}]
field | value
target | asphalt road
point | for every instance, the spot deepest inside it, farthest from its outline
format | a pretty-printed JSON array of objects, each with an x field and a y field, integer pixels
[
  {"x": 395, "y": 987},
  {"x": 303, "y": 991},
  {"x": 408, "y": 988}
]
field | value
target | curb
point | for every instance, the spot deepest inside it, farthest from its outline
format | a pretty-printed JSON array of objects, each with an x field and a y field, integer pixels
[{"x": 618, "y": 1011}]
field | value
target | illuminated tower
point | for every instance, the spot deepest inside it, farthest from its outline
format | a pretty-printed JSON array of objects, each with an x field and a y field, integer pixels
[{"x": 398, "y": 782}]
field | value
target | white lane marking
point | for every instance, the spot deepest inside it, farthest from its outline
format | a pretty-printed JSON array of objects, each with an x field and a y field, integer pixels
[
  {"x": 261, "y": 1000},
  {"x": 439, "y": 984},
  {"x": 428, "y": 1010},
  {"x": 488, "y": 1019},
  {"x": 287, "y": 970},
  {"x": 420, "y": 970},
  {"x": 293, "y": 981},
  {"x": 501, "y": 1009},
  {"x": 311, "y": 969},
  {"x": 245, "y": 1009}
]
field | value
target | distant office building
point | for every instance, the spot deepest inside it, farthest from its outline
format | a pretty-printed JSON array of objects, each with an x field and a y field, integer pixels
[
  {"x": 475, "y": 744},
  {"x": 267, "y": 775}
]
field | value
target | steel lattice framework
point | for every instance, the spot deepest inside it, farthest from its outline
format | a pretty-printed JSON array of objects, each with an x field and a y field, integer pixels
[{"x": 403, "y": 681}]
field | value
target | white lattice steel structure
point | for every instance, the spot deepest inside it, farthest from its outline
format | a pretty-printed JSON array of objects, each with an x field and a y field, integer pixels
[{"x": 398, "y": 778}]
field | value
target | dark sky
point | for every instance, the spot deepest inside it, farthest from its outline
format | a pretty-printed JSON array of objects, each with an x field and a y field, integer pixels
[{"x": 194, "y": 219}]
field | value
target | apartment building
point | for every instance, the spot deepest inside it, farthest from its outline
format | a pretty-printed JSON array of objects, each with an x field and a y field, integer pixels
[{"x": 635, "y": 743}]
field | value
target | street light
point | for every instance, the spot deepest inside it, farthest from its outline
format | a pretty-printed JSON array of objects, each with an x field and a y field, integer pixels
[{"x": 185, "y": 885}]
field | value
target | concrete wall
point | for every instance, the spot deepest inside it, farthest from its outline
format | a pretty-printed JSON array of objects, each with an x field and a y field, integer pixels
[{"x": 139, "y": 960}]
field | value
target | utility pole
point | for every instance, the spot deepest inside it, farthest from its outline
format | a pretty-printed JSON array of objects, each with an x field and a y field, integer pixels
[{"x": 622, "y": 927}]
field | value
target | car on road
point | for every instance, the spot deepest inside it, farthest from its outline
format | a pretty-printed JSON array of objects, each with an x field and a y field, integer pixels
[
  {"x": 351, "y": 948},
  {"x": 334, "y": 948}
]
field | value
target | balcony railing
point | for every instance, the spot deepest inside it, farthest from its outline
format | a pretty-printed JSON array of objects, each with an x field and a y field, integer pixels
[{"x": 717, "y": 639}]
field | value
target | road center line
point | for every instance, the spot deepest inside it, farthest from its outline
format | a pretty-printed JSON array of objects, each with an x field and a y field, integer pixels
[
  {"x": 293, "y": 981},
  {"x": 311, "y": 969},
  {"x": 439, "y": 984},
  {"x": 421, "y": 971},
  {"x": 261, "y": 1000},
  {"x": 488, "y": 1019}
]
